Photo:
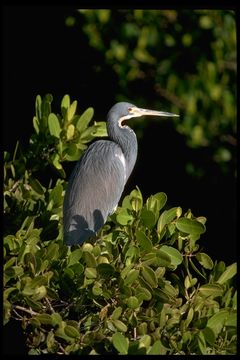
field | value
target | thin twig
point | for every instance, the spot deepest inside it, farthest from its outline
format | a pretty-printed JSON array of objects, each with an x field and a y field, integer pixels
[
  {"x": 31, "y": 312},
  {"x": 49, "y": 305},
  {"x": 135, "y": 333}
]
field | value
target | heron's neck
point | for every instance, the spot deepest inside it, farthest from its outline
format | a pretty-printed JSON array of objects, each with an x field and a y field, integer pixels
[{"x": 127, "y": 140}]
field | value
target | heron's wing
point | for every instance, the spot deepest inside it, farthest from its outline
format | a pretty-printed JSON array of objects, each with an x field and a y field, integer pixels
[{"x": 94, "y": 190}]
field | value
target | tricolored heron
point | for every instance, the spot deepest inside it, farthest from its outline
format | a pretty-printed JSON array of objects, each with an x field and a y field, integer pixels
[{"x": 98, "y": 179}]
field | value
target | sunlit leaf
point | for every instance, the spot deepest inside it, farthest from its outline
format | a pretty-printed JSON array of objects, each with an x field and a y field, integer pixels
[
  {"x": 213, "y": 290},
  {"x": 144, "y": 242},
  {"x": 120, "y": 343},
  {"x": 217, "y": 321},
  {"x": 205, "y": 260},
  {"x": 84, "y": 119},
  {"x": 166, "y": 217},
  {"x": 71, "y": 110},
  {"x": 53, "y": 125},
  {"x": 70, "y": 131},
  {"x": 149, "y": 275},
  {"x": 132, "y": 302},
  {"x": 229, "y": 273},
  {"x": 131, "y": 277},
  {"x": 190, "y": 226},
  {"x": 65, "y": 102},
  {"x": 175, "y": 256}
]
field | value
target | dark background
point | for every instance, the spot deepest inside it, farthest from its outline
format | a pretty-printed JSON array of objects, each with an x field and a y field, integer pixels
[{"x": 42, "y": 55}]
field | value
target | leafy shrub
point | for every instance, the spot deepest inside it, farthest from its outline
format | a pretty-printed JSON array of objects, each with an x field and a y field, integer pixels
[{"x": 143, "y": 286}]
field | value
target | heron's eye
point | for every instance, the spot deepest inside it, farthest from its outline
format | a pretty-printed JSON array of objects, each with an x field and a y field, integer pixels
[{"x": 130, "y": 110}]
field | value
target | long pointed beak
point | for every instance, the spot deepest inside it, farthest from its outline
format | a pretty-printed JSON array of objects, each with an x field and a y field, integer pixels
[{"x": 142, "y": 112}]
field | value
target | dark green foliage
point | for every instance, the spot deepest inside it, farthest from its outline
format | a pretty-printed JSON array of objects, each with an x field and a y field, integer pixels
[
  {"x": 186, "y": 58},
  {"x": 143, "y": 286}
]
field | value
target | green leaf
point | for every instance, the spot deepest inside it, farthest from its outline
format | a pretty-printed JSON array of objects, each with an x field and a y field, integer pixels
[
  {"x": 52, "y": 251},
  {"x": 190, "y": 226},
  {"x": 8, "y": 291},
  {"x": 55, "y": 161},
  {"x": 154, "y": 204},
  {"x": 90, "y": 273},
  {"x": 90, "y": 259},
  {"x": 144, "y": 242},
  {"x": 217, "y": 321},
  {"x": 65, "y": 102},
  {"x": 202, "y": 219},
  {"x": 36, "y": 185},
  {"x": 232, "y": 319},
  {"x": 148, "y": 217},
  {"x": 196, "y": 269},
  {"x": 51, "y": 343},
  {"x": 163, "y": 259},
  {"x": 53, "y": 125},
  {"x": 132, "y": 302},
  {"x": 72, "y": 152},
  {"x": 45, "y": 319},
  {"x": 131, "y": 277},
  {"x": 87, "y": 247},
  {"x": 56, "y": 319},
  {"x": 136, "y": 199},
  {"x": 40, "y": 293},
  {"x": 209, "y": 336},
  {"x": 228, "y": 274},
  {"x": 74, "y": 257},
  {"x": 105, "y": 270},
  {"x": 38, "y": 106},
  {"x": 84, "y": 120},
  {"x": 155, "y": 349},
  {"x": 77, "y": 268},
  {"x": 201, "y": 343},
  {"x": 205, "y": 260},
  {"x": 56, "y": 195},
  {"x": 97, "y": 290},
  {"x": 36, "y": 124},
  {"x": 142, "y": 328},
  {"x": 70, "y": 131},
  {"x": 189, "y": 282},
  {"x": 166, "y": 218},
  {"x": 189, "y": 318},
  {"x": 71, "y": 110},
  {"x": 161, "y": 197},
  {"x": 69, "y": 272},
  {"x": 149, "y": 275},
  {"x": 38, "y": 281},
  {"x": 151, "y": 258},
  {"x": 100, "y": 129},
  {"x": 71, "y": 331},
  {"x": 175, "y": 256},
  {"x": 213, "y": 290},
  {"x": 143, "y": 294},
  {"x": 120, "y": 325},
  {"x": 123, "y": 217},
  {"x": 116, "y": 313},
  {"x": 145, "y": 341},
  {"x": 120, "y": 343},
  {"x": 126, "y": 203},
  {"x": 132, "y": 253},
  {"x": 162, "y": 296}
]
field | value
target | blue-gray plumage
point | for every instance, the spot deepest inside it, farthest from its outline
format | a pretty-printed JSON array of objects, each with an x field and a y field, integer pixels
[{"x": 99, "y": 177}]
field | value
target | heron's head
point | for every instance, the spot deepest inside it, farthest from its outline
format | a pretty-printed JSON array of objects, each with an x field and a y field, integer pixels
[{"x": 124, "y": 111}]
